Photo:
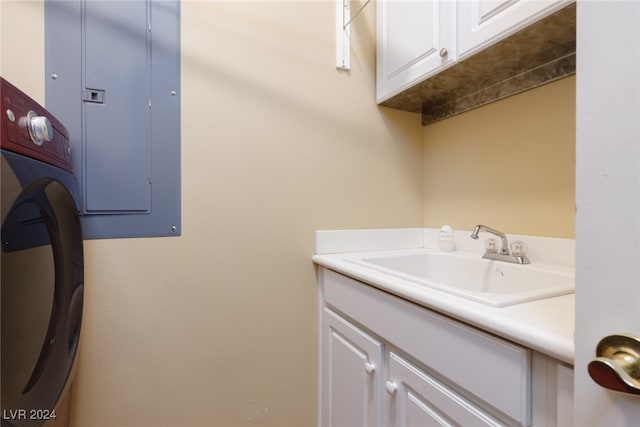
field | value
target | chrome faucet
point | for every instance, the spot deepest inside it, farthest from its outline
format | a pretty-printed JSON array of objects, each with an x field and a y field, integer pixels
[{"x": 503, "y": 254}]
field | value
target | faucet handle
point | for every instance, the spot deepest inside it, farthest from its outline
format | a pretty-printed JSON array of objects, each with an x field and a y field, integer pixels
[
  {"x": 519, "y": 248},
  {"x": 491, "y": 245}
]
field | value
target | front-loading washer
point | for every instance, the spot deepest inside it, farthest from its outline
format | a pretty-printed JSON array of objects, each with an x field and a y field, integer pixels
[{"x": 42, "y": 270}]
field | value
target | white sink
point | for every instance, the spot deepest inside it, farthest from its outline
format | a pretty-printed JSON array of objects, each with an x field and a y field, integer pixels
[{"x": 470, "y": 276}]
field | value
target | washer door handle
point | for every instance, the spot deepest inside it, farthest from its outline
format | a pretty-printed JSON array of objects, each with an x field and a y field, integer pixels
[{"x": 617, "y": 364}]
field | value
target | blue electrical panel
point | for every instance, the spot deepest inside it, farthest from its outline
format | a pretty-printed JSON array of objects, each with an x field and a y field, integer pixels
[{"x": 113, "y": 79}]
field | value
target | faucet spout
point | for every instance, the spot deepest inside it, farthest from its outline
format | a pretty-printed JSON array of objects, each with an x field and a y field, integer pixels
[{"x": 504, "y": 247}]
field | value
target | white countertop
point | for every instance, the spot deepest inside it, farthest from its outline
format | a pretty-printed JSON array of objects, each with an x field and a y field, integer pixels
[{"x": 546, "y": 325}]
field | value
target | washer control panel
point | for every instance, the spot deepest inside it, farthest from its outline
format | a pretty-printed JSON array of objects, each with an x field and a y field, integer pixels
[{"x": 28, "y": 129}]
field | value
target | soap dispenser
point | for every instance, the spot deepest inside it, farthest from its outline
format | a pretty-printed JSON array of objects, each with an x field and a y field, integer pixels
[{"x": 447, "y": 244}]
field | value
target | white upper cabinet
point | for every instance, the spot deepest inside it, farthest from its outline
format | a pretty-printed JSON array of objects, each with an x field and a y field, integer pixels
[
  {"x": 484, "y": 22},
  {"x": 416, "y": 39}
]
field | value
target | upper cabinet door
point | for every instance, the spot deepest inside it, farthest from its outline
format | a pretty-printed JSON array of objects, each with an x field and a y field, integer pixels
[
  {"x": 484, "y": 22},
  {"x": 416, "y": 39}
]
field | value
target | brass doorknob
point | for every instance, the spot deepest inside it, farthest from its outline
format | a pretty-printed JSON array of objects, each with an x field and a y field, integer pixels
[{"x": 617, "y": 364}]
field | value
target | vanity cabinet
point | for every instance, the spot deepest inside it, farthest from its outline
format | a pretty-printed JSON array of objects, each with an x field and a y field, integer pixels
[
  {"x": 385, "y": 361},
  {"x": 416, "y": 39}
]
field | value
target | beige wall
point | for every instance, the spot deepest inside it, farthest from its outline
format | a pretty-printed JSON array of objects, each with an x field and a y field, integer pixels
[
  {"x": 218, "y": 327},
  {"x": 22, "y": 51},
  {"x": 509, "y": 165}
]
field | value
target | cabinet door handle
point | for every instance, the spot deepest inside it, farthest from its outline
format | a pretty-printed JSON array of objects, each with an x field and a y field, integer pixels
[
  {"x": 443, "y": 52},
  {"x": 391, "y": 387},
  {"x": 369, "y": 368},
  {"x": 617, "y": 364}
]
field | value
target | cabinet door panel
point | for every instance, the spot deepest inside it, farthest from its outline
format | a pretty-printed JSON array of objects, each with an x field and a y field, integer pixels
[
  {"x": 484, "y": 22},
  {"x": 417, "y": 399},
  {"x": 405, "y": 21},
  {"x": 411, "y": 36},
  {"x": 351, "y": 365}
]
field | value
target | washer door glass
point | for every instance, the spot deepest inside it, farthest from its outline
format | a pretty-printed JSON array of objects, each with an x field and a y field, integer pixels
[{"x": 41, "y": 300}]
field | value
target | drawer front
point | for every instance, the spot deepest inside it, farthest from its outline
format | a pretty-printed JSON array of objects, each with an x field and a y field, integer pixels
[{"x": 494, "y": 370}]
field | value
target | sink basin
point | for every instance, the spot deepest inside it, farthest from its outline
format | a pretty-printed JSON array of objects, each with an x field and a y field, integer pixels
[{"x": 470, "y": 276}]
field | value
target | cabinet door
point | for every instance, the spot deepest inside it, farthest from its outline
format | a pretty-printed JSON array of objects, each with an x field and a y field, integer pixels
[
  {"x": 484, "y": 22},
  {"x": 415, "y": 40},
  {"x": 351, "y": 378},
  {"x": 418, "y": 399}
]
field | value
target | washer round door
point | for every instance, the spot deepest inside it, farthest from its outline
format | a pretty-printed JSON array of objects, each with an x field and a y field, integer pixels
[{"x": 42, "y": 288}]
